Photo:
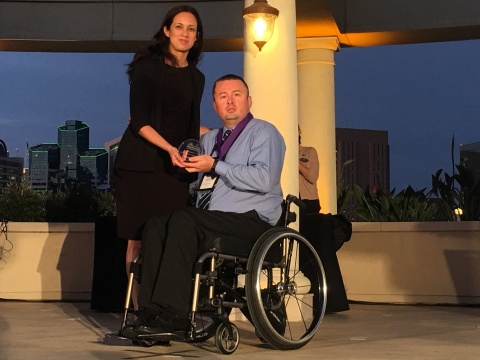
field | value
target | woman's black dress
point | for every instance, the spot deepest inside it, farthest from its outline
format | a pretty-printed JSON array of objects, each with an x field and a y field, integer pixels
[{"x": 140, "y": 194}]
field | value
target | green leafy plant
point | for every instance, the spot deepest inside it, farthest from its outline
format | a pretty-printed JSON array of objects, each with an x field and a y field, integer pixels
[
  {"x": 465, "y": 196},
  {"x": 461, "y": 201},
  {"x": 451, "y": 198},
  {"x": 106, "y": 203},
  {"x": 407, "y": 205},
  {"x": 19, "y": 202},
  {"x": 78, "y": 203}
]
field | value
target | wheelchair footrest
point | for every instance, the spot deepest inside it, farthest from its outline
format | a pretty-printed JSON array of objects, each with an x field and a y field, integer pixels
[{"x": 177, "y": 335}]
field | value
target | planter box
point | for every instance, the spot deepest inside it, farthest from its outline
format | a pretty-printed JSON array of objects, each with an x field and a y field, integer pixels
[
  {"x": 431, "y": 263},
  {"x": 48, "y": 261},
  {"x": 424, "y": 262}
]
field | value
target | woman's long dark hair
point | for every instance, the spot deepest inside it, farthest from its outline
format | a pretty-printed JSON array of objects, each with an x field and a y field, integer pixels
[{"x": 160, "y": 42}]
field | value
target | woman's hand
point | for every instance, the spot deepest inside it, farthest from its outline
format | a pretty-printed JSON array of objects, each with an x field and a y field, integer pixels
[
  {"x": 175, "y": 156},
  {"x": 148, "y": 133}
]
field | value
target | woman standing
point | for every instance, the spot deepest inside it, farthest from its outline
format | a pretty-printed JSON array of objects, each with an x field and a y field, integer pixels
[
  {"x": 308, "y": 167},
  {"x": 165, "y": 93}
]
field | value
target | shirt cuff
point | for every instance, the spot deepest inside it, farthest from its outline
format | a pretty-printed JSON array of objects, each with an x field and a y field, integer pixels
[{"x": 221, "y": 168}]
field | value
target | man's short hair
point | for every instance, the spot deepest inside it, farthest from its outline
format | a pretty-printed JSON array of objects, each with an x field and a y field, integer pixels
[{"x": 229, "y": 77}]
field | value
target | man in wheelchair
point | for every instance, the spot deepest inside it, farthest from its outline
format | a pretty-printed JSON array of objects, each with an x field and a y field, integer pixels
[{"x": 239, "y": 194}]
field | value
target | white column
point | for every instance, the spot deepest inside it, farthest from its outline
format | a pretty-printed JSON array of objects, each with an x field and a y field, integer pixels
[
  {"x": 316, "y": 93},
  {"x": 271, "y": 75}
]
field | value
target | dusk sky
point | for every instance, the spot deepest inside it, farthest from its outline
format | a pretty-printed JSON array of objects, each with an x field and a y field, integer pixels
[{"x": 421, "y": 94}]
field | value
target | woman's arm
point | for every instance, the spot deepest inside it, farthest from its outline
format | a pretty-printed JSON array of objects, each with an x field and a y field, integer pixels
[
  {"x": 149, "y": 134},
  {"x": 304, "y": 171}
]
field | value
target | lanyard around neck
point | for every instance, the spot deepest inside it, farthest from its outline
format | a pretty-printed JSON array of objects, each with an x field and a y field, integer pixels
[{"x": 222, "y": 147}]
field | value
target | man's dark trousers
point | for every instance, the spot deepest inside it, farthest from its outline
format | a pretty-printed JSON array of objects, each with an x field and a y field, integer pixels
[{"x": 170, "y": 247}]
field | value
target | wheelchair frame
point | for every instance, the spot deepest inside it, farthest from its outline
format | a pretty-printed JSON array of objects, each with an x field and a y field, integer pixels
[{"x": 275, "y": 291}]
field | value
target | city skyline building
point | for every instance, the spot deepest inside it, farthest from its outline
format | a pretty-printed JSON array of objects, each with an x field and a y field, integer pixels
[
  {"x": 94, "y": 165},
  {"x": 470, "y": 158},
  {"x": 73, "y": 138},
  {"x": 43, "y": 167},
  {"x": 51, "y": 166},
  {"x": 11, "y": 168}
]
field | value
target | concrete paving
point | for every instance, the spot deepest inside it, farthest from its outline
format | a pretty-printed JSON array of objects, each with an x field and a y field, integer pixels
[{"x": 60, "y": 330}]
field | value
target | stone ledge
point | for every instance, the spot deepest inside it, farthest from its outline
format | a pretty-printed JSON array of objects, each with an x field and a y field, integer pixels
[
  {"x": 431, "y": 263},
  {"x": 435, "y": 226},
  {"x": 46, "y": 227},
  {"x": 48, "y": 261}
]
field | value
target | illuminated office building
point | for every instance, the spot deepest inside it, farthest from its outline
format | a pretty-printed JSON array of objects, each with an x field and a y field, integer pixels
[
  {"x": 73, "y": 138},
  {"x": 44, "y": 160},
  {"x": 94, "y": 167}
]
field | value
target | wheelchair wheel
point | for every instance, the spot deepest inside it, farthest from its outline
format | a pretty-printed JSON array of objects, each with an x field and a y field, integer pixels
[
  {"x": 227, "y": 338},
  {"x": 285, "y": 288},
  {"x": 257, "y": 334},
  {"x": 206, "y": 324}
]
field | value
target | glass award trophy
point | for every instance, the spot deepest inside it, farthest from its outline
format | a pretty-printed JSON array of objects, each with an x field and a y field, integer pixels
[{"x": 190, "y": 147}]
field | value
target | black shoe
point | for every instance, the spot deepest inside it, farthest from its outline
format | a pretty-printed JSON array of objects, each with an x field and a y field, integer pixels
[
  {"x": 165, "y": 323},
  {"x": 127, "y": 332},
  {"x": 143, "y": 317}
]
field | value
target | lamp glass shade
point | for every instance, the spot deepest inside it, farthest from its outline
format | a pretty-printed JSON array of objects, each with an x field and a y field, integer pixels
[
  {"x": 260, "y": 27},
  {"x": 260, "y": 21}
]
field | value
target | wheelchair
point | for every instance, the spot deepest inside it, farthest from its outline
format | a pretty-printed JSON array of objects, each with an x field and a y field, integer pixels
[{"x": 278, "y": 283}]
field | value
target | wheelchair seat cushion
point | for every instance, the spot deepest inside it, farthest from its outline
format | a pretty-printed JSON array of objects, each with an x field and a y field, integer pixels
[{"x": 230, "y": 245}]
